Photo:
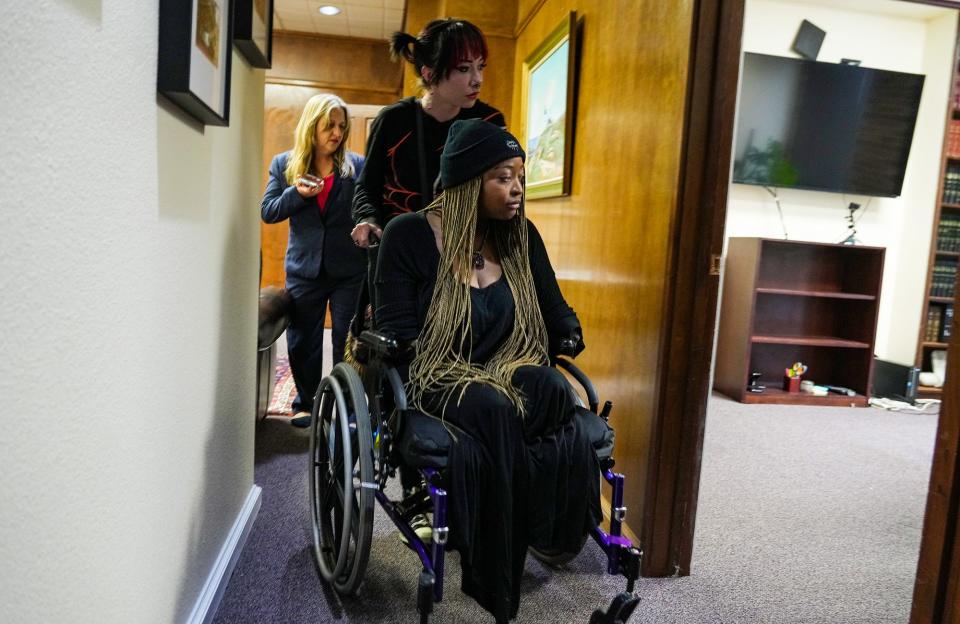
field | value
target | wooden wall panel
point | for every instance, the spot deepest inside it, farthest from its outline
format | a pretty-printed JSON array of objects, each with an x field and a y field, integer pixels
[
  {"x": 358, "y": 70},
  {"x": 498, "y": 77},
  {"x": 496, "y": 18},
  {"x": 336, "y": 64},
  {"x": 611, "y": 239}
]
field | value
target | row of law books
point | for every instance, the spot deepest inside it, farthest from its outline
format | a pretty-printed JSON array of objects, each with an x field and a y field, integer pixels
[
  {"x": 951, "y": 184},
  {"x": 956, "y": 88},
  {"x": 944, "y": 276},
  {"x": 939, "y": 320},
  {"x": 953, "y": 139},
  {"x": 948, "y": 234}
]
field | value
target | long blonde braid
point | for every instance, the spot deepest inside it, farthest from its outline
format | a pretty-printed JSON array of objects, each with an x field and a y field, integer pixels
[{"x": 441, "y": 367}]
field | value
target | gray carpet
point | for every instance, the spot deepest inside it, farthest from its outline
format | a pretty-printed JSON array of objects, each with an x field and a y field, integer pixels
[{"x": 806, "y": 515}]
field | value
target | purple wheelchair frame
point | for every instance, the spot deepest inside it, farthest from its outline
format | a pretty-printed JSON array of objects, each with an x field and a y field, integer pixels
[{"x": 622, "y": 556}]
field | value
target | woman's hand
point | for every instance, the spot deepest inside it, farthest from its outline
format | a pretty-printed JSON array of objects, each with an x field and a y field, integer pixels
[
  {"x": 362, "y": 233},
  {"x": 309, "y": 186}
]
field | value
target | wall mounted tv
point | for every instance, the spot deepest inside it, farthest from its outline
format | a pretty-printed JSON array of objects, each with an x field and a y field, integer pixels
[{"x": 824, "y": 126}]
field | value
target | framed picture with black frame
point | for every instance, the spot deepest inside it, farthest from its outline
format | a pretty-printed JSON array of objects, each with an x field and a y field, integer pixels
[
  {"x": 548, "y": 107},
  {"x": 193, "y": 60},
  {"x": 253, "y": 30}
]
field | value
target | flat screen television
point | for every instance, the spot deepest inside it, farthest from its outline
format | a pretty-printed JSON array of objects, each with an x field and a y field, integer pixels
[{"x": 824, "y": 126}]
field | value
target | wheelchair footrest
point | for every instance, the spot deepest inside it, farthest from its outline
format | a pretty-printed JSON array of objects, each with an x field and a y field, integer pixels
[
  {"x": 630, "y": 565},
  {"x": 621, "y": 608}
]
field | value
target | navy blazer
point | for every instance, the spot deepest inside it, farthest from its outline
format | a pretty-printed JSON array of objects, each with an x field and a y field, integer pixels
[{"x": 318, "y": 244}]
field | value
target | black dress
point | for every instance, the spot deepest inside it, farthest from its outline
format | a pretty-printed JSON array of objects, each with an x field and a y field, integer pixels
[{"x": 513, "y": 481}]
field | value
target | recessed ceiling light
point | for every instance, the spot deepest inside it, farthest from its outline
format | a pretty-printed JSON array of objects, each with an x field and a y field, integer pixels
[{"x": 329, "y": 10}]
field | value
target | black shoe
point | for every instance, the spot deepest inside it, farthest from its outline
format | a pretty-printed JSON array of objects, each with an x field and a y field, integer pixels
[{"x": 301, "y": 420}]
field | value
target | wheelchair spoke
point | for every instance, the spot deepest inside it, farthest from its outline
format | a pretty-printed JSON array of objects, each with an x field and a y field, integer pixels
[{"x": 327, "y": 491}]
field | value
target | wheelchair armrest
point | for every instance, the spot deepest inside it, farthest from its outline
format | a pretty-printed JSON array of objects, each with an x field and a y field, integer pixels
[
  {"x": 592, "y": 399},
  {"x": 568, "y": 346},
  {"x": 380, "y": 344}
]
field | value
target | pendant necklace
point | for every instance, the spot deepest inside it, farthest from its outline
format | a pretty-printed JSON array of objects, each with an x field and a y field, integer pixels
[{"x": 478, "y": 261}]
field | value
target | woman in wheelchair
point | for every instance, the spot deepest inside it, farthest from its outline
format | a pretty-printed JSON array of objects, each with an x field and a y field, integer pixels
[{"x": 467, "y": 286}]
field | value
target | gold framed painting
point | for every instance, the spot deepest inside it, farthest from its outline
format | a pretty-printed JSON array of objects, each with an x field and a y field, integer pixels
[
  {"x": 194, "y": 57},
  {"x": 548, "y": 107}
]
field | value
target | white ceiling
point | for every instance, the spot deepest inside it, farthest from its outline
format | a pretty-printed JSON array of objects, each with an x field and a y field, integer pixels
[
  {"x": 367, "y": 19},
  {"x": 896, "y": 8},
  {"x": 378, "y": 19}
]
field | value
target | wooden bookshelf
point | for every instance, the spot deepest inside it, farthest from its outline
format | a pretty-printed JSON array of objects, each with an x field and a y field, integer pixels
[
  {"x": 788, "y": 301},
  {"x": 777, "y": 395},
  {"x": 814, "y": 293},
  {"x": 936, "y": 324},
  {"x": 811, "y": 341},
  {"x": 929, "y": 391}
]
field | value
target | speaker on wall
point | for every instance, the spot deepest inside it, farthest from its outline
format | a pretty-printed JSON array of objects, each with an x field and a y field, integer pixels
[{"x": 808, "y": 41}]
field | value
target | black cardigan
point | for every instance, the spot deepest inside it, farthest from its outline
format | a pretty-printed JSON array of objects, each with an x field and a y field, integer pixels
[
  {"x": 390, "y": 182},
  {"x": 407, "y": 272}
]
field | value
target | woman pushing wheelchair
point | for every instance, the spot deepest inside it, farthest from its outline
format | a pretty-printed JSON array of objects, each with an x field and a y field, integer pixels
[{"x": 468, "y": 286}]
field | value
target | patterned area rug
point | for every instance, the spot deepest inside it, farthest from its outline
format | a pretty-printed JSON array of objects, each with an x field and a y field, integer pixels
[{"x": 283, "y": 389}]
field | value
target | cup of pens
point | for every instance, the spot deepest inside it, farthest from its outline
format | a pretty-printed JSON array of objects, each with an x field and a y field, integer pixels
[{"x": 792, "y": 376}]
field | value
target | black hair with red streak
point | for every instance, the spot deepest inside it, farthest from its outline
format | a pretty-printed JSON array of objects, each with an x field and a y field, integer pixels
[{"x": 441, "y": 46}]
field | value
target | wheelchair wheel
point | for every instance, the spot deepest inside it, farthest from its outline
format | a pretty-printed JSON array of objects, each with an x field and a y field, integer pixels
[{"x": 341, "y": 479}]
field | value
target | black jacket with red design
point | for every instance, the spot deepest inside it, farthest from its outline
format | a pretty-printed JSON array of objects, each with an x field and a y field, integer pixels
[{"x": 390, "y": 182}]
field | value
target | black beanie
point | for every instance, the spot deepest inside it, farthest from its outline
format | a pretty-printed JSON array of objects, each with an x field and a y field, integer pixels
[{"x": 472, "y": 147}]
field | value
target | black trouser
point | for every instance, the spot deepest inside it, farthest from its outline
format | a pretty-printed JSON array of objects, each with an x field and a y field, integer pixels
[{"x": 305, "y": 333}]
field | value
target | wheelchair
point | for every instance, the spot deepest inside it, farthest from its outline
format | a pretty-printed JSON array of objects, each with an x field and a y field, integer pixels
[{"x": 362, "y": 430}]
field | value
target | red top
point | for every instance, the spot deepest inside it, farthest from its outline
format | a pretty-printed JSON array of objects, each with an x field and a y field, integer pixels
[{"x": 324, "y": 193}]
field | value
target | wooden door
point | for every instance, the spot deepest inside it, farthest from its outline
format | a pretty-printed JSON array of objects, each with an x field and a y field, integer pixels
[{"x": 936, "y": 596}]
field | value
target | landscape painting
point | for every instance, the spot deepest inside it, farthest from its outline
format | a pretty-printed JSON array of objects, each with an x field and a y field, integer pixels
[{"x": 548, "y": 87}]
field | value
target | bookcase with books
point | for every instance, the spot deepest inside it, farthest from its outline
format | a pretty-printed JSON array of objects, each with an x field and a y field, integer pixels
[{"x": 935, "y": 330}]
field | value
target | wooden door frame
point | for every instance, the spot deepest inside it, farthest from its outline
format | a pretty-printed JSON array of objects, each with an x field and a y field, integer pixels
[
  {"x": 676, "y": 438},
  {"x": 688, "y": 332}
]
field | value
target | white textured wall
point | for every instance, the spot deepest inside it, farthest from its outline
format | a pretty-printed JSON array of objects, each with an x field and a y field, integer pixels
[
  {"x": 902, "y": 225},
  {"x": 129, "y": 262}
]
